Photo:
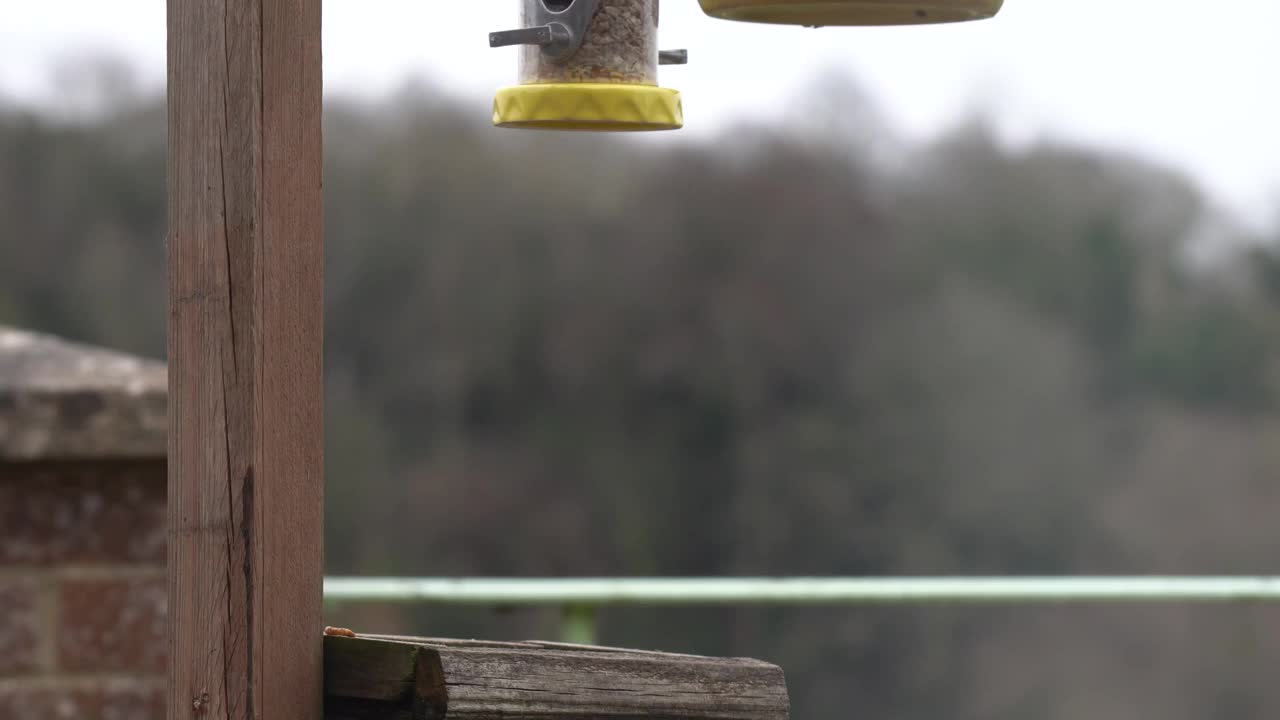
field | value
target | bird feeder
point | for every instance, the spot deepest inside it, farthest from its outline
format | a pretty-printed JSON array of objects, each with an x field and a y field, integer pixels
[
  {"x": 588, "y": 65},
  {"x": 817, "y": 13}
]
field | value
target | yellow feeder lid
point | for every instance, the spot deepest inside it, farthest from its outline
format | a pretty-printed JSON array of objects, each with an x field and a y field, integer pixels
[
  {"x": 588, "y": 106},
  {"x": 851, "y": 12}
]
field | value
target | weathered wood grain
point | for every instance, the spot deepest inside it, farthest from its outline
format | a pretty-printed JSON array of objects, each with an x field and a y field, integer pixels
[
  {"x": 245, "y": 329},
  {"x": 432, "y": 679}
]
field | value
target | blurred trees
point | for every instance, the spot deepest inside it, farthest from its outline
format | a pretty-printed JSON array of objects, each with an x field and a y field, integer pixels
[{"x": 554, "y": 355}]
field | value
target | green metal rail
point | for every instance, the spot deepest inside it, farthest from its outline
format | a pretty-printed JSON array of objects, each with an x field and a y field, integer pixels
[{"x": 580, "y": 598}]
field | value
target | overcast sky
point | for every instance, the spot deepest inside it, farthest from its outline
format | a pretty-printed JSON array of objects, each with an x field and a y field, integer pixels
[{"x": 1192, "y": 83}]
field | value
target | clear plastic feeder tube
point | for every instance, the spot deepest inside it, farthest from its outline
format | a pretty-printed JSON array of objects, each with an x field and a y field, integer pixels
[{"x": 620, "y": 46}]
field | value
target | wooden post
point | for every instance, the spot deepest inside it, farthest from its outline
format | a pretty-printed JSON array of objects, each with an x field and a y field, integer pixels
[{"x": 245, "y": 326}]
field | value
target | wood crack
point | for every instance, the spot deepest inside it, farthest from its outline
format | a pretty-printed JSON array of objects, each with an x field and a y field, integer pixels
[
  {"x": 228, "y": 646},
  {"x": 226, "y": 247},
  {"x": 246, "y": 536}
]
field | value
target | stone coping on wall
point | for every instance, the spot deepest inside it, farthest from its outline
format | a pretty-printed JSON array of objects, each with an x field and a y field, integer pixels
[{"x": 61, "y": 400}]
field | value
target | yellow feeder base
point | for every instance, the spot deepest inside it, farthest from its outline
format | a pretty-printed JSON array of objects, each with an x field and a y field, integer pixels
[
  {"x": 851, "y": 12},
  {"x": 598, "y": 107}
]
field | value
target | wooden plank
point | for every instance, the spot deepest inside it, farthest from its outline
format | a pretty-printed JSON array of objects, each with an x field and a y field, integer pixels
[
  {"x": 469, "y": 680},
  {"x": 245, "y": 329},
  {"x": 383, "y": 671}
]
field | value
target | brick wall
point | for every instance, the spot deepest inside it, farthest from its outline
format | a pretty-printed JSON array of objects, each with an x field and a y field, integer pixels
[{"x": 82, "y": 590}]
